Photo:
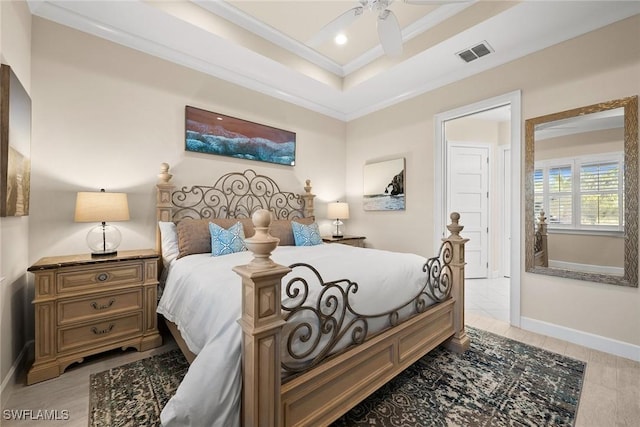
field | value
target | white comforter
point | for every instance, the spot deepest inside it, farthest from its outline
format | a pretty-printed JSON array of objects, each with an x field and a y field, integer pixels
[{"x": 202, "y": 296}]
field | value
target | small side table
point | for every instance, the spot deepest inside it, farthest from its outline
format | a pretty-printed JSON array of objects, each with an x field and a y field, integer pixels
[{"x": 357, "y": 241}]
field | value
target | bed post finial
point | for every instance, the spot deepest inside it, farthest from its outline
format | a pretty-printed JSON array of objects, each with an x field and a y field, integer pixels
[
  {"x": 455, "y": 228},
  {"x": 164, "y": 207},
  {"x": 459, "y": 342},
  {"x": 262, "y": 243},
  {"x": 164, "y": 176},
  {"x": 541, "y": 255},
  {"x": 308, "y": 199},
  {"x": 261, "y": 324}
]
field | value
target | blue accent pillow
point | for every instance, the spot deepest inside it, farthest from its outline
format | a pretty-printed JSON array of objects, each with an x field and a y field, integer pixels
[
  {"x": 227, "y": 241},
  {"x": 306, "y": 235}
]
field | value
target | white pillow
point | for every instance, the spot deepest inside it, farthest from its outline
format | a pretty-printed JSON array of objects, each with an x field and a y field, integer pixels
[{"x": 169, "y": 241}]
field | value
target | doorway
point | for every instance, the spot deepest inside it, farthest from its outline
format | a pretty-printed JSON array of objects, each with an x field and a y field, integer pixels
[{"x": 473, "y": 126}]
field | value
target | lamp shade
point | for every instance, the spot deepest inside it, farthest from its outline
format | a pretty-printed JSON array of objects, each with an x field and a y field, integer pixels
[
  {"x": 101, "y": 207},
  {"x": 338, "y": 210}
]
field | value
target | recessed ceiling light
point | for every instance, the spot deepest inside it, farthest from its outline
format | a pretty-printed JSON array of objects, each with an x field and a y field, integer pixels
[{"x": 341, "y": 39}]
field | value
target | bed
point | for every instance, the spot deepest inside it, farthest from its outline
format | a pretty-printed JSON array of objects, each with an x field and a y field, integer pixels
[
  {"x": 300, "y": 348},
  {"x": 541, "y": 251}
]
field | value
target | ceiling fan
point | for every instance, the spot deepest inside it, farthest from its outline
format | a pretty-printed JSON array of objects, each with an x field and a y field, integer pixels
[{"x": 389, "y": 31}]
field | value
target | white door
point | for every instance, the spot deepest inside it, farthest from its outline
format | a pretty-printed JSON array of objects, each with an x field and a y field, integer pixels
[{"x": 467, "y": 194}]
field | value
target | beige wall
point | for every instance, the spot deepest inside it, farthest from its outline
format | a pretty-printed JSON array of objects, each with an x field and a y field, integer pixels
[
  {"x": 106, "y": 116},
  {"x": 581, "y": 144},
  {"x": 586, "y": 249},
  {"x": 15, "y": 50},
  {"x": 555, "y": 79}
]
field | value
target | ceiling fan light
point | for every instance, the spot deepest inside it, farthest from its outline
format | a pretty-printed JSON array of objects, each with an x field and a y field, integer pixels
[{"x": 341, "y": 39}]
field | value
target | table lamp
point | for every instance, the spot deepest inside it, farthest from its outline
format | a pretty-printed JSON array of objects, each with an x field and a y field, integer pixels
[
  {"x": 101, "y": 207},
  {"x": 338, "y": 210}
]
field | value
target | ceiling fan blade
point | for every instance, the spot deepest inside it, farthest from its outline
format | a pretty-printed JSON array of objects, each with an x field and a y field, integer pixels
[
  {"x": 434, "y": 2},
  {"x": 335, "y": 26},
  {"x": 389, "y": 33}
]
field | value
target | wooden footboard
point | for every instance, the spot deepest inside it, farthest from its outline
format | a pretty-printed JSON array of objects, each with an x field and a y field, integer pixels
[
  {"x": 323, "y": 394},
  {"x": 327, "y": 391}
]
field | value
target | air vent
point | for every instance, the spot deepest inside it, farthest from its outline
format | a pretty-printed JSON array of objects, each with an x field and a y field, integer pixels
[{"x": 475, "y": 52}]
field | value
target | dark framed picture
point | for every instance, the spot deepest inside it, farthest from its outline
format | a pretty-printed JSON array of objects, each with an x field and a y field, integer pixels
[
  {"x": 213, "y": 133},
  {"x": 15, "y": 145},
  {"x": 384, "y": 185}
]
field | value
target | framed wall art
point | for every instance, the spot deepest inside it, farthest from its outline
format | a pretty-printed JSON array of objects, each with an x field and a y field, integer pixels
[
  {"x": 384, "y": 185},
  {"x": 213, "y": 133},
  {"x": 15, "y": 145}
]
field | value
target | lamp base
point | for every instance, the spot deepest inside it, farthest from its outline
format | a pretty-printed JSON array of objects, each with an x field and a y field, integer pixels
[
  {"x": 103, "y": 240},
  {"x": 337, "y": 236},
  {"x": 337, "y": 231},
  {"x": 103, "y": 254}
]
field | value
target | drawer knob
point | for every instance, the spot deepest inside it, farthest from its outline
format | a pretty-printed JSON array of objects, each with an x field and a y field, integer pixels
[
  {"x": 102, "y": 331},
  {"x": 97, "y": 306},
  {"x": 102, "y": 277}
]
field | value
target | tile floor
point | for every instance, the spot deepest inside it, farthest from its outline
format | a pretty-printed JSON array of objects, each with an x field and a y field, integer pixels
[{"x": 487, "y": 297}]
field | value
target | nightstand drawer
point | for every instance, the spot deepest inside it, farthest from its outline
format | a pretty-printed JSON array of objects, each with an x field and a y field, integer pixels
[
  {"x": 98, "y": 333},
  {"x": 87, "y": 308},
  {"x": 104, "y": 276}
]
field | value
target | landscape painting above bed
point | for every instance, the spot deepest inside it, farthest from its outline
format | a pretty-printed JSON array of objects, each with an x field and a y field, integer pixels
[{"x": 213, "y": 133}]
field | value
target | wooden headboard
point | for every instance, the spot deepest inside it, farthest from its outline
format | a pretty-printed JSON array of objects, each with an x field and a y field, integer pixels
[{"x": 233, "y": 195}]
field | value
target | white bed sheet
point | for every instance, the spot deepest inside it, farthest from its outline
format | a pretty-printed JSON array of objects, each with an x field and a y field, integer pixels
[{"x": 202, "y": 296}]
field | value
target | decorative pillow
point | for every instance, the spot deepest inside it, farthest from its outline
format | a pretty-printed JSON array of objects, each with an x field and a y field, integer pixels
[
  {"x": 226, "y": 223},
  {"x": 169, "y": 242},
  {"x": 281, "y": 228},
  {"x": 194, "y": 236},
  {"x": 224, "y": 242},
  {"x": 306, "y": 235}
]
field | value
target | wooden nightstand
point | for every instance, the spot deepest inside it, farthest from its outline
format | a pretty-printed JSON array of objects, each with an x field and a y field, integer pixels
[
  {"x": 357, "y": 241},
  {"x": 86, "y": 305}
]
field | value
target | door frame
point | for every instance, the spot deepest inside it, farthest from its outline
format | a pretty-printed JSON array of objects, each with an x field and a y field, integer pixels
[
  {"x": 505, "y": 255},
  {"x": 489, "y": 151},
  {"x": 441, "y": 218}
]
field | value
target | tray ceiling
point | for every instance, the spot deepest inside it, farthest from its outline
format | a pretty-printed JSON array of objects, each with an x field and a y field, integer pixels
[{"x": 262, "y": 45}]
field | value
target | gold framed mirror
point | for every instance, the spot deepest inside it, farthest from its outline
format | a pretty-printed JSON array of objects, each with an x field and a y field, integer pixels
[{"x": 581, "y": 193}]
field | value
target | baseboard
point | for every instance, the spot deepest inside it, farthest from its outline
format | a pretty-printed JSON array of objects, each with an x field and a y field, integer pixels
[
  {"x": 586, "y": 339},
  {"x": 587, "y": 268},
  {"x": 7, "y": 382}
]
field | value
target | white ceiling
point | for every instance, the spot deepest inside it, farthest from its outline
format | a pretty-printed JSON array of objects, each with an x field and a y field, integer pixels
[{"x": 261, "y": 44}]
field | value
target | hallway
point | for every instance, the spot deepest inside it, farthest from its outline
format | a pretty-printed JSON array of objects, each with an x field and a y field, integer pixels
[{"x": 487, "y": 298}]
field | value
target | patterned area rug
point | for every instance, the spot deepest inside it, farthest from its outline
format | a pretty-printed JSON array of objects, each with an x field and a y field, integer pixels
[
  {"x": 498, "y": 382},
  {"x": 134, "y": 394}
]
